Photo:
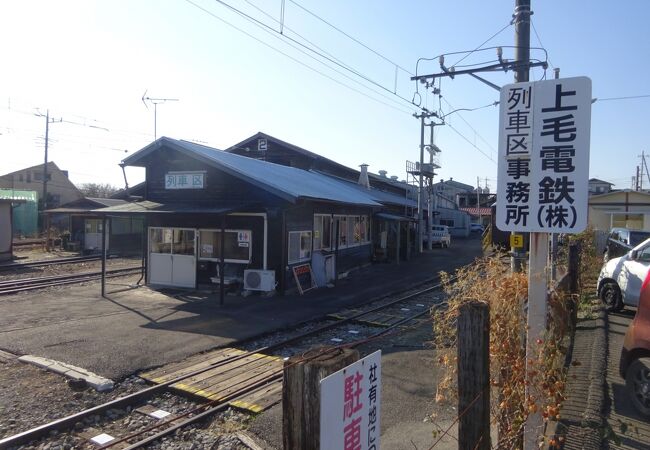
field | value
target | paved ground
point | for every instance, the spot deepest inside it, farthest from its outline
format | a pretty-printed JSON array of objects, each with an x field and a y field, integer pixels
[
  {"x": 134, "y": 329},
  {"x": 409, "y": 378},
  {"x": 597, "y": 413},
  {"x": 631, "y": 430}
]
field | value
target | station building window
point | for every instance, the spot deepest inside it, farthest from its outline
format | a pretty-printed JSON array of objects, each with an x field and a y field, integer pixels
[
  {"x": 299, "y": 246},
  {"x": 177, "y": 241},
  {"x": 322, "y": 232},
  {"x": 352, "y": 231},
  {"x": 238, "y": 246}
]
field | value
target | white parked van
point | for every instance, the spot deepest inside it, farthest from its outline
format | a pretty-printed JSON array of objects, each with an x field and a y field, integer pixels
[{"x": 439, "y": 236}]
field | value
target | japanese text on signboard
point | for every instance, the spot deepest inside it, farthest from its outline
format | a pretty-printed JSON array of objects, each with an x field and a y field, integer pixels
[
  {"x": 351, "y": 405},
  {"x": 184, "y": 180},
  {"x": 544, "y": 156}
]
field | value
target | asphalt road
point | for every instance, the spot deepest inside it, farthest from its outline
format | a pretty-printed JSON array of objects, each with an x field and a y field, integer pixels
[{"x": 631, "y": 429}]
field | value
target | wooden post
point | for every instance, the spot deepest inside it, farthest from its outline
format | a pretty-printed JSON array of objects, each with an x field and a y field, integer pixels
[
  {"x": 222, "y": 262},
  {"x": 474, "y": 376},
  {"x": 104, "y": 255},
  {"x": 301, "y": 394}
]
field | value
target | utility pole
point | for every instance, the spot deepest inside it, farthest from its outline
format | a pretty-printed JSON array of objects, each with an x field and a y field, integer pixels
[
  {"x": 641, "y": 175},
  {"x": 538, "y": 248},
  {"x": 636, "y": 179},
  {"x": 478, "y": 200},
  {"x": 47, "y": 135},
  {"x": 423, "y": 115}
]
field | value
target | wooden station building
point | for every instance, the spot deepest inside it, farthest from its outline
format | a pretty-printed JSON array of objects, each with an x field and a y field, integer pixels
[{"x": 263, "y": 214}]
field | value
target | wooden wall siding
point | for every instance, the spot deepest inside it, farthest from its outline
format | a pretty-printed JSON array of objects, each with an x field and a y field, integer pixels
[
  {"x": 302, "y": 218},
  {"x": 220, "y": 187}
]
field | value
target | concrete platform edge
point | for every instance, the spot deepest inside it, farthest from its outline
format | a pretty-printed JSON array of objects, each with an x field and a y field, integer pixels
[{"x": 99, "y": 383}]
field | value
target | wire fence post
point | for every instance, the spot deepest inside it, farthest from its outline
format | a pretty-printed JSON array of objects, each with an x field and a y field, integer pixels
[
  {"x": 301, "y": 394},
  {"x": 474, "y": 376}
]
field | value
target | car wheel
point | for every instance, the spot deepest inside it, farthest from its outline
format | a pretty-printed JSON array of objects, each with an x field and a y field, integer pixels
[
  {"x": 637, "y": 383},
  {"x": 610, "y": 294}
]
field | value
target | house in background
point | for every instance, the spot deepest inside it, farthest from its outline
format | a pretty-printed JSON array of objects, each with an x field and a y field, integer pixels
[
  {"x": 597, "y": 186},
  {"x": 627, "y": 208},
  {"x": 24, "y": 212},
  {"x": 60, "y": 189},
  {"x": 124, "y": 236}
]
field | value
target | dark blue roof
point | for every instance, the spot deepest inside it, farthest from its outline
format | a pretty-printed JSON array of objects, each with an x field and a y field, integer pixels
[{"x": 289, "y": 183}]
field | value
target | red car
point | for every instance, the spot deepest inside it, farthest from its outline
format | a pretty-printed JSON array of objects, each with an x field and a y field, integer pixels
[{"x": 635, "y": 356}]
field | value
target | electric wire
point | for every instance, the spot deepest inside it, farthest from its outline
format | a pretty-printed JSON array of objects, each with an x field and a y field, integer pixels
[
  {"x": 470, "y": 142},
  {"x": 622, "y": 98},
  {"x": 532, "y": 24},
  {"x": 213, "y": 15},
  {"x": 351, "y": 37},
  {"x": 332, "y": 60},
  {"x": 469, "y": 125},
  {"x": 483, "y": 43}
]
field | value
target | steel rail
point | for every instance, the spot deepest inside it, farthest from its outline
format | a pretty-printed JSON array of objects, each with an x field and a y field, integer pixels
[
  {"x": 69, "y": 421},
  {"x": 28, "y": 284},
  {"x": 227, "y": 401},
  {"x": 47, "y": 262}
]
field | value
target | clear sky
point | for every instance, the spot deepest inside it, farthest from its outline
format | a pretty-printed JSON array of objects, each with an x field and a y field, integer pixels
[{"x": 90, "y": 62}]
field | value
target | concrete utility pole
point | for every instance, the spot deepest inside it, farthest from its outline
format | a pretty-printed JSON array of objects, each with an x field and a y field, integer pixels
[
  {"x": 522, "y": 58},
  {"x": 423, "y": 115},
  {"x": 538, "y": 251},
  {"x": 478, "y": 200},
  {"x": 47, "y": 133}
]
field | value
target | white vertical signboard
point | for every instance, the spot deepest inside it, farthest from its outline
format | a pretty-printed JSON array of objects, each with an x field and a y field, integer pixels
[
  {"x": 350, "y": 406},
  {"x": 543, "y": 172}
]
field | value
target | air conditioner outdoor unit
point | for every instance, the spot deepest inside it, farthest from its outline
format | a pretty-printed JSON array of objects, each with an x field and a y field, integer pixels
[{"x": 259, "y": 280}]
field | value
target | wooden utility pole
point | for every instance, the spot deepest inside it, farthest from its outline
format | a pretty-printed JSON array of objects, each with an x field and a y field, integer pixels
[
  {"x": 301, "y": 394},
  {"x": 474, "y": 376}
]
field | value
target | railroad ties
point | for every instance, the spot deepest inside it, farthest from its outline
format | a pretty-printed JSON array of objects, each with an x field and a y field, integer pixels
[{"x": 234, "y": 370}]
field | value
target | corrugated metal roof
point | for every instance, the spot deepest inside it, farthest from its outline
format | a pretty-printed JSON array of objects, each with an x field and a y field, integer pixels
[
  {"x": 107, "y": 201},
  {"x": 383, "y": 197},
  {"x": 387, "y": 216},
  {"x": 289, "y": 183},
  {"x": 149, "y": 207}
]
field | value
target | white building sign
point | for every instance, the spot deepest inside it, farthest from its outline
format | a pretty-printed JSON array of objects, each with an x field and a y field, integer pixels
[
  {"x": 350, "y": 406},
  {"x": 543, "y": 168},
  {"x": 184, "y": 180}
]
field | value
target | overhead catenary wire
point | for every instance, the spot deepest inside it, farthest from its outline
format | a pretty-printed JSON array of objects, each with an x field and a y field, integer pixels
[
  {"x": 483, "y": 43},
  {"x": 310, "y": 49},
  {"x": 351, "y": 37},
  {"x": 630, "y": 97},
  {"x": 213, "y": 15},
  {"x": 532, "y": 24}
]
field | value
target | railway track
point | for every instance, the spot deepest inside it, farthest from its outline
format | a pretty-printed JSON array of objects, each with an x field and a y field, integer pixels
[
  {"x": 48, "y": 262},
  {"x": 239, "y": 376},
  {"x": 29, "y": 284}
]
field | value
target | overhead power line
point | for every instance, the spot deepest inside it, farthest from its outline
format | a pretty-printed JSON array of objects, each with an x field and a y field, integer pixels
[
  {"x": 540, "y": 41},
  {"x": 350, "y": 37},
  {"x": 213, "y": 15},
  {"x": 316, "y": 52},
  {"x": 622, "y": 98},
  {"x": 483, "y": 43},
  {"x": 470, "y": 143}
]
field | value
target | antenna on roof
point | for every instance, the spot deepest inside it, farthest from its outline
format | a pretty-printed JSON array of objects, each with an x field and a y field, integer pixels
[{"x": 155, "y": 102}]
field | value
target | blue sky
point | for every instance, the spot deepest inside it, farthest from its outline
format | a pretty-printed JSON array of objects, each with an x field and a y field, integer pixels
[{"x": 90, "y": 62}]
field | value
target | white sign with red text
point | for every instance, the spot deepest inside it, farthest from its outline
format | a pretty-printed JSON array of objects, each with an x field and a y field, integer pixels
[{"x": 350, "y": 406}]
